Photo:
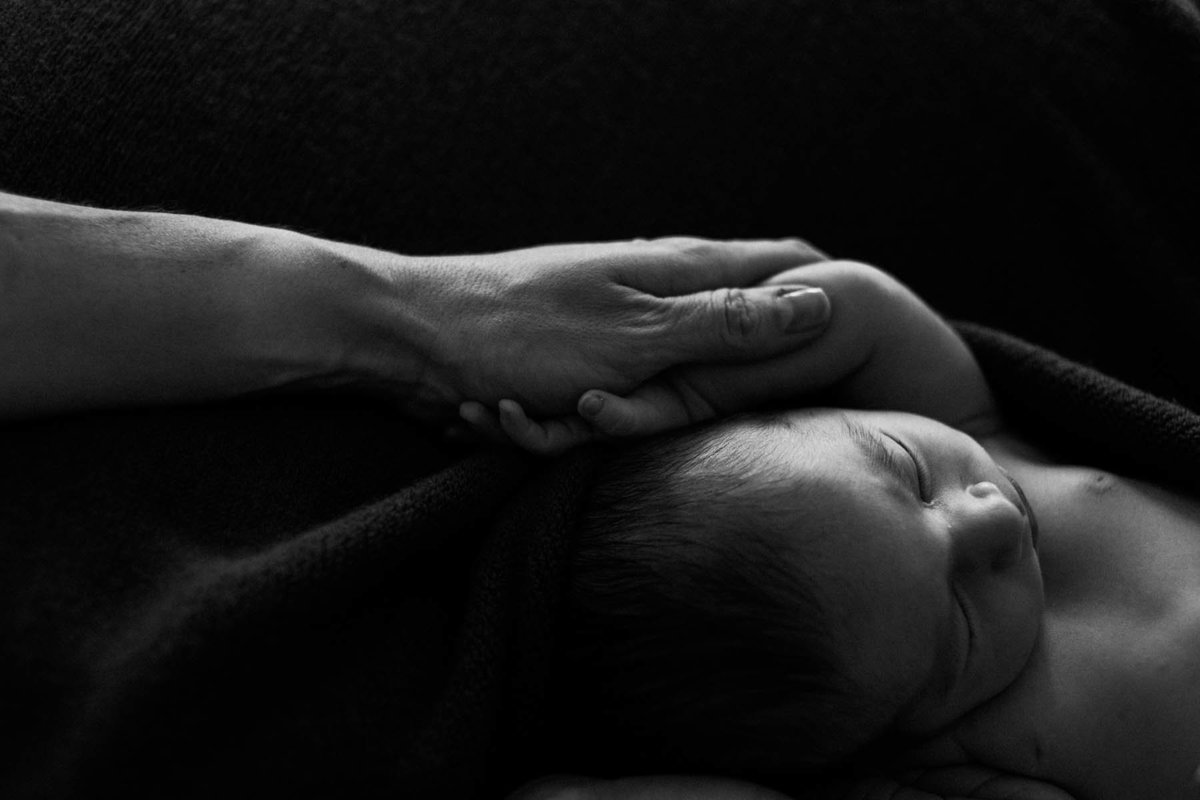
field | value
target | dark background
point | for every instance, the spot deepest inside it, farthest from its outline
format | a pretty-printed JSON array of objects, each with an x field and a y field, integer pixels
[{"x": 1028, "y": 164}]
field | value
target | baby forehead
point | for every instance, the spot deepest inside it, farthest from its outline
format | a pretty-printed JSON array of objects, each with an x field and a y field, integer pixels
[
  {"x": 760, "y": 449},
  {"x": 806, "y": 420},
  {"x": 792, "y": 432}
]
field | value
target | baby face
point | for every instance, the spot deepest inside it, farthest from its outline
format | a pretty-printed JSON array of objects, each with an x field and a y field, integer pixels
[{"x": 923, "y": 550}]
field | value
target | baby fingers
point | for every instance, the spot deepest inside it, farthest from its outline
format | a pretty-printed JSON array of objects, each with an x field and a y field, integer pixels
[
  {"x": 482, "y": 421},
  {"x": 546, "y": 437},
  {"x": 511, "y": 425},
  {"x": 657, "y": 406}
]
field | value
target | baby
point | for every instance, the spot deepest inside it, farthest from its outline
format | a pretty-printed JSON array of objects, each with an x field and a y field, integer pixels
[{"x": 785, "y": 592}]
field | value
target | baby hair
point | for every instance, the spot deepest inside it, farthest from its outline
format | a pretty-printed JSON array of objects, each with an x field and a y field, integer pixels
[{"x": 694, "y": 643}]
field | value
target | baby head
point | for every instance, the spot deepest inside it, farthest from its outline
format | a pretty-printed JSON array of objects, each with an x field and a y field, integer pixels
[{"x": 774, "y": 593}]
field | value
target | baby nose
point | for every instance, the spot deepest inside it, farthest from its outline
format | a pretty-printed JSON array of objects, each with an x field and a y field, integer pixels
[{"x": 989, "y": 531}]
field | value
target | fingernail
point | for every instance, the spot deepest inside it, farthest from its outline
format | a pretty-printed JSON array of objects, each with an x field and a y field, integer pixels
[
  {"x": 591, "y": 404},
  {"x": 804, "y": 309}
]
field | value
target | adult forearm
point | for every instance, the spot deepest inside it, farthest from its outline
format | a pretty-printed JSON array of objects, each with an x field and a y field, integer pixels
[{"x": 107, "y": 308}]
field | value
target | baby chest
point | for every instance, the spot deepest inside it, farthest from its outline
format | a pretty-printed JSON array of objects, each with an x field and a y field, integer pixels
[
  {"x": 1104, "y": 710},
  {"x": 1117, "y": 546}
]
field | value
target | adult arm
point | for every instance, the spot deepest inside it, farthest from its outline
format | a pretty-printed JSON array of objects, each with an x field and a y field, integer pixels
[{"x": 108, "y": 308}]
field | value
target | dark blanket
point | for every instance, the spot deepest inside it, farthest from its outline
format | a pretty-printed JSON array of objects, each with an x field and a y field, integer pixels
[
  {"x": 268, "y": 597},
  {"x": 311, "y": 595}
]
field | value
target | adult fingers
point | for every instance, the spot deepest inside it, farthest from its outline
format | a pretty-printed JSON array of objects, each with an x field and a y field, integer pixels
[
  {"x": 693, "y": 264},
  {"x": 738, "y": 324}
]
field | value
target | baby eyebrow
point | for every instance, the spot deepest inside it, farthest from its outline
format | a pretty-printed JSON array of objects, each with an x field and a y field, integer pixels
[{"x": 877, "y": 453}]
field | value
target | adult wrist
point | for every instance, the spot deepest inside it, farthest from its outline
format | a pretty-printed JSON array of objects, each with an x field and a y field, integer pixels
[{"x": 374, "y": 321}]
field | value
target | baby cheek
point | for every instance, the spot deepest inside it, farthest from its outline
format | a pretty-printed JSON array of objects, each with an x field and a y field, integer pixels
[
  {"x": 1020, "y": 618},
  {"x": 1009, "y": 625}
]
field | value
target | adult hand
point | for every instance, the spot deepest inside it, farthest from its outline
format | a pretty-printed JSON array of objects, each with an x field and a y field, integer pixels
[
  {"x": 685, "y": 393},
  {"x": 540, "y": 326},
  {"x": 879, "y": 336}
]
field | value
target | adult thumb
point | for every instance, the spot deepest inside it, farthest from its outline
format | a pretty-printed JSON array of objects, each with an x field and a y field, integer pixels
[{"x": 743, "y": 323}]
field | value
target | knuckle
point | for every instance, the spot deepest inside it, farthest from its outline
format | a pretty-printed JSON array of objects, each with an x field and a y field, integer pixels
[
  {"x": 691, "y": 249},
  {"x": 742, "y": 317}
]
